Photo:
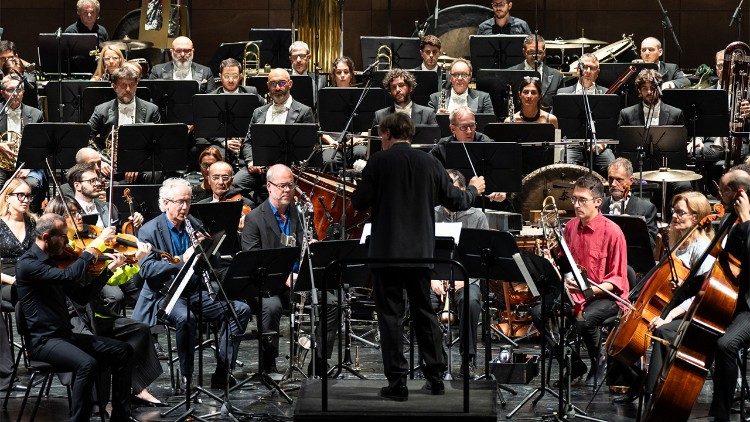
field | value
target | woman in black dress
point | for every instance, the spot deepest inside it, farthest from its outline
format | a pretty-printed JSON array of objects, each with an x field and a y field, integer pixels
[{"x": 16, "y": 233}]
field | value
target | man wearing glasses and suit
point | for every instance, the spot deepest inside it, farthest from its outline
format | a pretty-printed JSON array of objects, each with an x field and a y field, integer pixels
[{"x": 534, "y": 51}]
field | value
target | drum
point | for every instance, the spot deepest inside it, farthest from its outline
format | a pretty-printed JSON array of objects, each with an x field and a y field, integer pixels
[
  {"x": 620, "y": 51},
  {"x": 455, "y": 24},
  {"x": 555, "y": 180}
]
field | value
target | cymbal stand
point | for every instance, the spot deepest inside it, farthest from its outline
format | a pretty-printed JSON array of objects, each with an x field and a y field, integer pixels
[
  {"x": 295, "y": 344},
  {"x": 345, "y": 349}
]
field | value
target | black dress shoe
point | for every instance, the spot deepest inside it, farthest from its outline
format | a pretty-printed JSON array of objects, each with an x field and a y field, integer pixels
[
  {"x": 219, "y": 380},
  {"x": 626, "y": 398},
  {"x": 397, "y": 393},
  {"x": 435, "y": 387}
]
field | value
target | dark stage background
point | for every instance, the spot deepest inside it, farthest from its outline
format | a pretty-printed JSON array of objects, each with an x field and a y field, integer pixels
[{"x": 702, "y": 26}]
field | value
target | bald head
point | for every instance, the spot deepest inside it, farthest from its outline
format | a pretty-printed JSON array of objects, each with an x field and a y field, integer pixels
[
  {"x": 220, "y": 178},
  {"x": 182, "y": 51},
  {"x": 279, "y": 85},
  {"x": 651, "y": 50}
]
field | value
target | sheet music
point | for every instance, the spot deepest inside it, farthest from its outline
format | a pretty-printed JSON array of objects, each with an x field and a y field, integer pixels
[{"x": 441, "y": 230}]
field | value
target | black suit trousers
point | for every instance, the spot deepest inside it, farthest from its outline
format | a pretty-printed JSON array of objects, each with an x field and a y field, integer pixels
[
  {"x": 388, "y": 286},
  {"x": 728, "y": 346}
]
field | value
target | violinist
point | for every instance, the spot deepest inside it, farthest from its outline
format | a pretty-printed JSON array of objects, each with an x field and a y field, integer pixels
[
  {"x": 220, "y": 181},
  {"x": 103, "y": 314},
  {"x": 42, "y": 292},
  {"x": 202, "y": 190},
  {"x": 87, "y": 185}
]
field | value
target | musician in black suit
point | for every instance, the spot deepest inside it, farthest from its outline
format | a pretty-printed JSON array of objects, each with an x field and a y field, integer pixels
[
  {"x": 402, "y": 186},
  {"x": 299, "y": 56},
  {"x": 459, "y": 92},
  {"x": 647, "y": 83},
  {"x": 282, "y": 109},
  {"x": 88, "y": 13},
  {"x": 400, "y": 83},
  {"x": 672, "y": 76},
  {"x": 551, "y": 79},
  {"x": 429, "y": 49},
  {"x": 463, "y": 127},
  {"x": 182, "y": 66},
  {"x": 9, "y": 59}
]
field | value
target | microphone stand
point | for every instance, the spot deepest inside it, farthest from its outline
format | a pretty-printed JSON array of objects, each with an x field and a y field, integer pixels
[
  {"x": 646, "y": 141},
  {"x": 58, "y": 35},
  {"x": 737, "y": 17},
  {"x": 589, "y": 119},
  {"x": 667, "y": 25}
]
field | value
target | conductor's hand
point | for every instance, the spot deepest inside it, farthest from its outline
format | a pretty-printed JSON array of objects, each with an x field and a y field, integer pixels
[
  {"x": 477, "y": 182},
  {"x": 437, "y": 287}
]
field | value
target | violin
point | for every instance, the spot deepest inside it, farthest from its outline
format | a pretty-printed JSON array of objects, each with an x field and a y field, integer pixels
[
  {"x": 127, "y": 244},
  {"x": 128, "y": 227},
  {"x": 79, "y": 242}
]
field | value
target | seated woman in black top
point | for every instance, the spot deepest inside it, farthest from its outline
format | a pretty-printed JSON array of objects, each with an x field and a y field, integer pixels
[{"x": 16, "y": 233}]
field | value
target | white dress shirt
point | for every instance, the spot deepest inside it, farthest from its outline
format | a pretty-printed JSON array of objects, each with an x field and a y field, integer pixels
[{"x": 277, "y": 113}]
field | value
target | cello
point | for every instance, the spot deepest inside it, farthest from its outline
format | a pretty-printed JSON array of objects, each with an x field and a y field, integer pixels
[
  {"x": 687, "y": 365},
  {"x": 630, "y": 340}
]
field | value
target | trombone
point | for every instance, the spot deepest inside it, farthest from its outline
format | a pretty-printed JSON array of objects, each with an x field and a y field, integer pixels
[
  {"x": 384, "y": 55},
  {"x": 250, "y": 61}
]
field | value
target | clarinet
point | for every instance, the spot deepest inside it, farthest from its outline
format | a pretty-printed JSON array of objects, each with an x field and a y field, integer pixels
[{"x": 196, "y": 244}]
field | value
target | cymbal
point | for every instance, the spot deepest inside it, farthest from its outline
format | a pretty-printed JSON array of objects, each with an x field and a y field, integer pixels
[
  {"x": 665, "y": 174},
  {"x": 560, "y": 45},
  {"x": 445, "y": 59},
  {"x": 127, "y": 44},
  {"x": 585, "y": 41}
]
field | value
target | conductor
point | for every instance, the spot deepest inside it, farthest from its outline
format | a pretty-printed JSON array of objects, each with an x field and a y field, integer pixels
[{"x": 402, "y": 186}]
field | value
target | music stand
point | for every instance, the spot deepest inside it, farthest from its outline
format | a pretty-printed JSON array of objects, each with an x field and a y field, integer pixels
[
  {"x": 482, "y": 120},
  {"x": 282, "y": 144},
  {"x": 72, "y": 51},
  {"x": 496, "y": 51},
  {"x": 58, "y": 141},
  {"x": 72, "y": 99},
  {"x": 151, "y": 147},
  {"x": 226, "y": 50},
  {"x": 274, "y": 46},
  {"x": 572, "y": 120},
  {"x": 640, "y": 253},
  {"x": 174, "y": 98},
  {"x": 426, "y": 135},
  {"x": 216, "y": 217},
  {"x": 221, "y": 115},
  {"x": 427, "y": 84},
  {"x": 302, "y": 87},
  {"x": 535, "y": 140},
  {"x": 705, "y": 110},
  {"x": 664, "y": 141},
  {"x": 498, "y": 162},
  {"x": 496, "y": 82},
  {"x": 404, "y": 51},
  {"x": 335, "y": 105},
  {"x": 95, "y": 95},
  {"x": 611, "y": 72}
]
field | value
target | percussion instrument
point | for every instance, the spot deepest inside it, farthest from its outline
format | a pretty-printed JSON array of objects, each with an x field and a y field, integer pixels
[
  {"x": 620, "y": 51},
  {"x": 666, "y": 174},
  {"x": 454, "y": 26},
  {"x": 555, "y": 180},
  {"x": 127, "y": 44},
  {"x": 585, "y": 41}
]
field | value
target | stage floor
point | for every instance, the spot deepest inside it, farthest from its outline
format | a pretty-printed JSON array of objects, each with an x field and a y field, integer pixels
[{"x": 267, "y": 405}]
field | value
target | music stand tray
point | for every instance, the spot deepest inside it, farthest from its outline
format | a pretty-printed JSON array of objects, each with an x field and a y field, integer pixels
[
  {"x": 640, "y": 254},
  {"x": 265, "y": 269},
  {"x": 482, "y": 119},
  {"x": 404, "y": 50},
  {"x": 533, "y": 156},
  {"x": 58, "y": 141},
  {"x": 174, "y": 98},
  {"x": 336, "y": 104},
  {"x": 496, "y": 82},
  {"x": 216, "y": 217},
  {"x": 95, "y": 95},
  {"x": 282, "y": 144},
  {"x": 496, "y": 51},
  {"x": 427, "y": 83},
  {"x": 498, "y": 162},
  {"x": 72, "y": 98},
  {"x": 302, "y": 87},
  {"x": 221, "y": 115},
  {"x": 274, "y": 46},
  {"x": 151, "y": 147},
  {"x": 705, "y": 110},
  {"x": 664, "y": 141},
  {"x": 572, "y": 119},
  {"x": 74, "y": 53}
]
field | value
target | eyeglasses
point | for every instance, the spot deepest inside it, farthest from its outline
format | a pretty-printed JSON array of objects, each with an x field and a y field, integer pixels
[
  {"x": 180, "y": 202},
  {"x": 460, "y": 75},
  {"x": 10, "y": 90},
  {"x": 281, "y": 83},
  {"x": 680, "y": 213},
  {"x": 93, "y": 181},
  {"x": 75, "y": 214},
  {"x": 182, "y": 50},
  {"x": 299, "y": 56},
  {"x": 230, "y": 77},
  {"x": 467, "y": 127},
  {"x": 284, "y": 186},
  {"x": 499, "y": 4},
  {"x": 583, "y": 201},
  {"x": 216, "y": 178},
  {"x": 591, "y": 68},
  {"x": 22, "y": 196}
]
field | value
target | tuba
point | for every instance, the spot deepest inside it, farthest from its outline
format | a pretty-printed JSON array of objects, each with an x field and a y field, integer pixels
[
  {"x": 12, "y": 140},
  {"x": 384, "y": 55},
  {"x": 250, "y": 61},
  {"x": 734, "y": 79}
]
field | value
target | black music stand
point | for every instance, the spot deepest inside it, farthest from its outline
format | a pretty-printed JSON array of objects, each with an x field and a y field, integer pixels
[
  {"x": 663, "y": 141},
  {"x": 145, "y": 200},
  {"x": 482, "y": 120},
  {"x": 221, "y": 115},
  {"x": 72, "y": 99},
  {"x": 426, "y": 135},
  {"x": 174, "y": 98},
  {"x": 73, "y": 52},
  {"x": 95, "y": 95},
  {"x": 498, "y": 162},
  {"x": 640, "y": 253},
  {"x": 151, "y": 147},
  {"x": 611, "y": 72},
  {"x": 336, "y": 104},
  {"x": 572, "y": 120},
  {"x": 535, "y": 140},
  {"x": 496, "y": 51},
  {"x": 283, "y": 144},
  {"x": 705, "y": 110},
  {"x": 427, "y": 83},
  {"x": 58, "y": 141},
  {"x": 404, "y": 50},
  {"x": 274, "y": 46},
  {"x": 226, "y": 50},
  {"x": 216, "y": 217},
  {"x": 496, "y": 83},
  {"x": 302, "y": 88}
]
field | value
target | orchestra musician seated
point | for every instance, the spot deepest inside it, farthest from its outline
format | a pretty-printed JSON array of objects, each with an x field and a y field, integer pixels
[
  {"x": 342, "y": 72},
  {"x": 183, "y": 68},
  {"x": 10, "y": 63},
  {"x": 472, "y": 218},
  {"x": 672, "y": 76},
  {"x": 110, "y": 59},
  {"x": 459, "y": 93},
  {"x": 651, "y": 108},
  {"x": 400, "y": 84},
  {"x": 220, "y": 176},
  {"x": 430, "y": 48},
  {"x": 202, "y": 189},
  {"x": 88, "y": 12},
  {"x": 299, "y": 56},
  {"x": 502, "y": 22},
  {"x": 529, "y": 94},
  {"x": 463, "y": 127},
  {"x": 535, "y": 52}
]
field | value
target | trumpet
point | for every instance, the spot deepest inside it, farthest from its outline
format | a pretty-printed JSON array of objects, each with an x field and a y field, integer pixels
[
  {"x": 12, "y": 140},
  {"x": 384, "y": 55},
  {"x": 250, "y": 61}
]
